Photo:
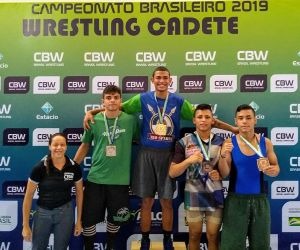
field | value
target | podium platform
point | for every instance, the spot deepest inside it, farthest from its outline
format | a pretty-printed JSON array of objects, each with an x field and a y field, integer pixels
[{"x": 156, "y": 245}]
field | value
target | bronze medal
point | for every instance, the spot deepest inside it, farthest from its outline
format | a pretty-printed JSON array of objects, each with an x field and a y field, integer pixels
[{"x": 262, "y": 163}]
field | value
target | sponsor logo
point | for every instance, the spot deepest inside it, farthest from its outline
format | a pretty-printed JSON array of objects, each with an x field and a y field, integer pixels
[
  {"x": 223, "y": 83},
  {"x": 40, "y": 136},
  {"x": 8, "y": 215},
  {"x": 47, "y": 109},
  {"x": 76, "y": 84},
  {"x": 74, "y": 135},
  {"x": 150, "y": 58},
  {"x": 263, "y": 131},
  {"x": 16, "y": 85},
  {"x": 253, "y": 83},
  {"x": 98, "y": 59},
  {"x": 284, "y": 83},
  {"x": 291, "y": 216},
  {"x": 295, "y": 111},
  {"x": 88, "y": 107},
  {"x": 284, "y": 189},
  {"x": 48, "y": 59},
  {"x": 295, "y": 246},
  {"x": 192, "y": 83},
  {"x": 4, "y": 164},
  {"x": 252, "y": 57},
  {"x": 256, "y": 107},
  {"x": 15, "y": 136},
  {"x": 284, "y": 136},
  {"x": 295, "y": 63},
  {"x": 294, "y": 163},
  {"x": 44, "y": 85},
  {"x": 156, "y": 218},
  {"x": 5, "y": 245},
  {"x": 5, "y": 110},
  {"x": 68, "y": 176},
  {"x": 100, "y": 82},
  {"x": 87, "y": 163},
  {"x": 134, "y": 84},
  {"x": 3, "y": 65},
  {"x": 223, "y": 133},
  {"x": 172, "y": 86},
  {"x": 200, "y": 58},
  {"x": 16, "y": 189}
]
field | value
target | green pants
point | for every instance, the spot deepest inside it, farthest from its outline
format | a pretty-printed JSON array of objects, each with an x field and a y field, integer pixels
[{"x": 246, "y": 215}]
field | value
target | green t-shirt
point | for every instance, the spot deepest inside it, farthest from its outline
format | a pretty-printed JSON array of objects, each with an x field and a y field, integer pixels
[{"x": 113, "y": 170}]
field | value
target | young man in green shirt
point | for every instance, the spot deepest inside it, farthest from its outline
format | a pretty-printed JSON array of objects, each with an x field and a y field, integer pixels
[{"x": 107, "y": 182}]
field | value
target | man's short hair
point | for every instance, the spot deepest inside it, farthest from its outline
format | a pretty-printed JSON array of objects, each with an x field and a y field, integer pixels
[
  {"x": 202, "y": 106},
  {"x": 161, "y": 68},
  {"x": 109, "y": 89},
  {"x": 244, "y": 107}
]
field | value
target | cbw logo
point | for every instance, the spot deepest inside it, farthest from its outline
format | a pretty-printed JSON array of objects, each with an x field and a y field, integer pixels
[
  {"x": 4, "y": 161},
  {"x": 5, "y": 109},
  {"x": 4, "y": 245}
]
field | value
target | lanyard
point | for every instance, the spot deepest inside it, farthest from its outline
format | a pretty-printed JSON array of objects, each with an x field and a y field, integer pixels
[
  {"x": 111, "y": 136},
  {"x": 205, "y": 153},
  {"x": 257, "y": 151},
  {"x": 161, "y": 115}
]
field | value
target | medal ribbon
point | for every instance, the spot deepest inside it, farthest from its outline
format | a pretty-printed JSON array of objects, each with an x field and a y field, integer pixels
[
  {"x": 257, "y": 151},
  {"x": 161, "y": 115},
  {"x": 111, "y": 136},
  {"x": 205, "y": 153}
]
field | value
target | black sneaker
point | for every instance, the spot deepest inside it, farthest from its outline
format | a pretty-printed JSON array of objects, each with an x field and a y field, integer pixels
[
  {"x": 145, "y": 244},
  {"x": 168, "y": 244}
]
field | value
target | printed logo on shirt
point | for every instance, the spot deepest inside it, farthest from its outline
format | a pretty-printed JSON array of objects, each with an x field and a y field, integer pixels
[{"x": 68, "y": 176}]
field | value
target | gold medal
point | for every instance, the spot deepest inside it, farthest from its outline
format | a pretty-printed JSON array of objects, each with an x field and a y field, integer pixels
[
  {"x": 262, "y": 163},
  {"x": 160, "y": 129},
  {"x": 111, "y": 150}
]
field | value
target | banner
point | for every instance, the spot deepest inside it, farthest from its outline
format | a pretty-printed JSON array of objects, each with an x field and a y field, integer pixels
[{"x": 57, "y": 57}]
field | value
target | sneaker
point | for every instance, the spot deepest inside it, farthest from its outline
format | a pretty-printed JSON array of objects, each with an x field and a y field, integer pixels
[
  {"x": 145, "y": 244},
  {"x": 168, "y": 244}
]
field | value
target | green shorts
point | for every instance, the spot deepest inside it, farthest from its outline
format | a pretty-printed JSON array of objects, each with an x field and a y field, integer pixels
[{"x": 246, "y": 215}]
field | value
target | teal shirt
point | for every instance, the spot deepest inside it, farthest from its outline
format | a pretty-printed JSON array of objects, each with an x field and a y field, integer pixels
[{"x": 111, "y": 170}]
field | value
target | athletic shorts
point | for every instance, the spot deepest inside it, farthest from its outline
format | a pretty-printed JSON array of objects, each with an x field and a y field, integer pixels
[
  {"x": 99, "y": 198},
  {"x": 151, "y": 174},
  {"x": 208, "y": 216},
  {"x": 246, "y": 215}
]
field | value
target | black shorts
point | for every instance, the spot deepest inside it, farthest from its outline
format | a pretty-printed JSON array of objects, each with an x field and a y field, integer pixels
[
  {"x": 151, "y": 174},
  {"x": 98, "y": 198}
]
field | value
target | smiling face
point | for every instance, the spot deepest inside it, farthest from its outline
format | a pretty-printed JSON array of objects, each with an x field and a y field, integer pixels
[
  {"x": 161, "y": 81},
  {"x": 58, "y": 146}
]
